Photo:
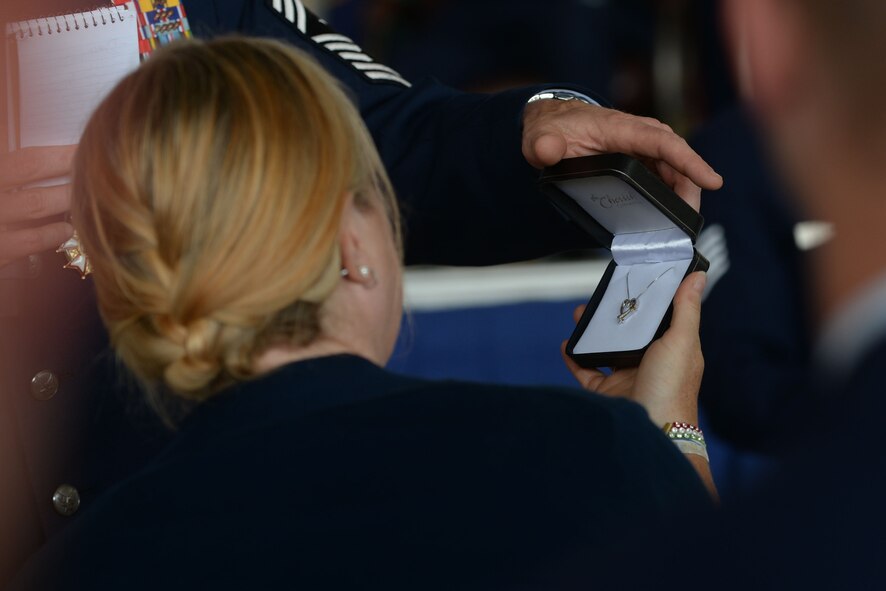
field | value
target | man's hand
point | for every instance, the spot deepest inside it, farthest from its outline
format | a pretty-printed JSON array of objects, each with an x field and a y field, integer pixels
[
  {"x": 19, "y": 205},
  {"x": 553, "y": 130}
]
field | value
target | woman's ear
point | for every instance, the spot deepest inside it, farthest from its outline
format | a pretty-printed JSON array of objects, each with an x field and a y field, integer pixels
[{"x": 354, "y": 237}]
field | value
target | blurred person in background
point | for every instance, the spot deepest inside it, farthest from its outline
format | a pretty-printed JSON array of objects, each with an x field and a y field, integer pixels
[
  {"x": 812, "y": 71},
  {"x": 258, "y": 309},
  {"x": 463, "y": 168}
]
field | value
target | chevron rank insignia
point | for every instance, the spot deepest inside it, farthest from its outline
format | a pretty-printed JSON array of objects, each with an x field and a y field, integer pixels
[{"x": 319, "y": 31}]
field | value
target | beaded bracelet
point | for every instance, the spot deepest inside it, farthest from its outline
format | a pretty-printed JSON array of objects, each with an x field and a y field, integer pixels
[
  {"x": 688, "y": 438},
  {"x": 680, "y": 430}
]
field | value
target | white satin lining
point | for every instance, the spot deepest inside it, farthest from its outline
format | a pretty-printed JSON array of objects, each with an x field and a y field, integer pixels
[
  {"x": 671, "y": 244},
  {"x": 654, "y": 287}
]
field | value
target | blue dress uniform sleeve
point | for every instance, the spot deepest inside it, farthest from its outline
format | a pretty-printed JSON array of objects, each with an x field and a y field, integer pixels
[{"x": 455, "y": 158}]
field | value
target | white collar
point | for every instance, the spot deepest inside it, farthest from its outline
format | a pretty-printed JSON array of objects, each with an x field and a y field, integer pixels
[{"x": 853, "y": 330}]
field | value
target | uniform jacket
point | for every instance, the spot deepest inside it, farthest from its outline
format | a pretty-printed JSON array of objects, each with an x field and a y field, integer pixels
[
  {"x": 819, "y": 523},
  {"x": 334, "y": 473}
]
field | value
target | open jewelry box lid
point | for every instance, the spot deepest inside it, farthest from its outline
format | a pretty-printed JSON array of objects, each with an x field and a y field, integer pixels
[
  {"x": 612, "y": 194},
  {"x": 651, "y": 233}
]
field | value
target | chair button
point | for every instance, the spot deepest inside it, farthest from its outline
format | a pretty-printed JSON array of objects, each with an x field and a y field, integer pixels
[
  {"x": 44, "y": 385},
  {"x": 66, "y": 500}
]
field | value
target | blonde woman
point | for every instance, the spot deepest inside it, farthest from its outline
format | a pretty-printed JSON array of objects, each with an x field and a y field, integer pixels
[{"x": 245, "y": 245}]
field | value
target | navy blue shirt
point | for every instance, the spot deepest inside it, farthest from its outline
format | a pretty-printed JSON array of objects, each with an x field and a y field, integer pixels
[{"x": 333, "y": 472}]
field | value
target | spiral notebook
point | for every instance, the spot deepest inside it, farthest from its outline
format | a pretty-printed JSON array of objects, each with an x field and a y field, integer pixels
[{"x": 60, "y": 68}]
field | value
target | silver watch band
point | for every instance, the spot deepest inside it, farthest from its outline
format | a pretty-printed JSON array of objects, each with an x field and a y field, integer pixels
[{"x": 562, "y": 94}]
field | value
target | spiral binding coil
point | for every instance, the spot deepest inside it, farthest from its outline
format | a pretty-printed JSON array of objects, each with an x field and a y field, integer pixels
[{"x": 54, "y": 25}]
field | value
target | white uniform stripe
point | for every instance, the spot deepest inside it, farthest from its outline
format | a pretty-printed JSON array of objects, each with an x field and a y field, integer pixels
[
  {"x": 355, "y": 57},
  {"x": 712, "y": 242},
  {"x": 289, "y": 10},
  {"x": 386, "y": 76},
  {"x": 339, "y": 46},
  {"x": 716, "y": 253},
  {"x": 278, "y": 6},
  {"x": 718, "y": 263},
  {"x": 301, "y": 23},
  {"x": 377, "y": 67},
  {"x": 715, "y": 274},
  {"x": 713, "y": 251},
  {"x": 327, "y": 37}
]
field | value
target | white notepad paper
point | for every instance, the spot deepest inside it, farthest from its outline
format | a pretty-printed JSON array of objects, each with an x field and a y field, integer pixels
[{"x": 62, "y": 67}]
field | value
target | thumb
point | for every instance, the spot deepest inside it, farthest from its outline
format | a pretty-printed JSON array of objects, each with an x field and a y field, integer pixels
[
  {"x": 546, "y": 149},
  {"x": 687, "y": 303}
]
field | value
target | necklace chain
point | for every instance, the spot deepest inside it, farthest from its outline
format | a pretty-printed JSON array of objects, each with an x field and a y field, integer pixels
[
  {"x": 628, "y": 283},
  {"x": 631, "y": 305}
]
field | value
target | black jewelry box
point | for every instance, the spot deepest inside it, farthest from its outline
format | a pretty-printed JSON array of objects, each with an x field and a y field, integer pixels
[{"x": 651, "y": 234}]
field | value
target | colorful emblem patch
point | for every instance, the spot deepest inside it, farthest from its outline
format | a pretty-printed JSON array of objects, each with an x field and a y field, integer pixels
[{"x": 159, "y": 22}]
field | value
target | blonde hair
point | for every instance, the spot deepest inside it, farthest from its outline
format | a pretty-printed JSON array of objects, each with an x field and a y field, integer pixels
[{"x": 208, "y": 192}]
